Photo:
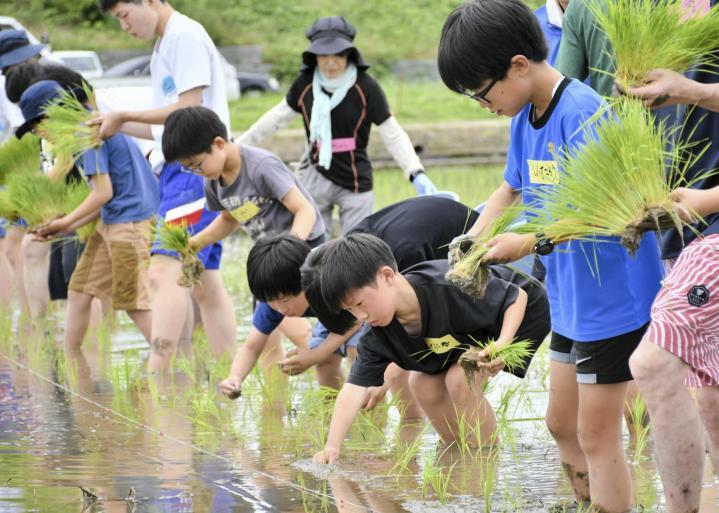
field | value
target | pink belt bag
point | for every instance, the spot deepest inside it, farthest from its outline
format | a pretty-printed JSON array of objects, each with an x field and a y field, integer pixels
[{"x": 341, "y": 145}]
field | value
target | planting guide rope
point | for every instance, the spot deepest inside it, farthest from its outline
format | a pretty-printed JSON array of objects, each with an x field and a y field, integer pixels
[{"x": 224, "y": 459}]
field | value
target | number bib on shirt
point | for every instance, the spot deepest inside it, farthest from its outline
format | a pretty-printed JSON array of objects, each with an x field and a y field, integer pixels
[
  {"x": 245, "y": 212},
  {"x": 543, "y": 172},
  {"x": 442, "y": 344}
]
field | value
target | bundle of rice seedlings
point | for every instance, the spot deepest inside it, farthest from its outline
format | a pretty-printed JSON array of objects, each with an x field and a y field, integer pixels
[
  {"x": 36, "y": 198},
  {"x": 651, "y": 34},
  {"x": 75, "y": 194},
  {"x": 65, "y": 126},
  {"x": 7, "y": 210},
  {"x": 618, "y": 183},
  {"x": 470, "y": 273},
  {"x": 19, "y": 156},
  {"x": 175, "y": 237},
  {"x": 513, "y": 355}
]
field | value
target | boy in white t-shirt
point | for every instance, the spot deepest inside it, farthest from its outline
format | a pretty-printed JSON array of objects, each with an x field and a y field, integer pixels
[{"x": 186, "y": 71}]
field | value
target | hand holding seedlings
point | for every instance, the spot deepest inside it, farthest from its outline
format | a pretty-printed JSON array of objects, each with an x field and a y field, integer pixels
[
  {"x": 297, "y": 361},
  {"x": 458, "y": 248},
  {"x": 50, "y": 230},
  {"x": 494, "y": 357},
  {"x": 231, "y": 387},
  {"x": 690, "y": 204},
  {"x": 508, "y": 247},
  {"x": 109, "y": 123},
  {"x": 326, "y": 456}
]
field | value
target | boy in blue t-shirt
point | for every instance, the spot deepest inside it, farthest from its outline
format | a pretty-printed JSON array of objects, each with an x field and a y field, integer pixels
[
  {"x": 116, "y": 257},
  {"x": 600, "y": 297}
]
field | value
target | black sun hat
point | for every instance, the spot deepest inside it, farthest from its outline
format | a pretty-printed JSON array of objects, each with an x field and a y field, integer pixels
[{"x": 329, "y": 36}]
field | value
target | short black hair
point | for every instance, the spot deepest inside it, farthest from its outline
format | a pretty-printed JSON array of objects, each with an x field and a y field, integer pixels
[
  {"x": 480, "y": 38},
  {"x": 24, "y": 75},
  {"x": 336, "y": 322},
  {"x": 106, "y": 5},
  {"x": 273, "y": 266},
  {"x": 350, "y": 263},
  {"x": 191, "y": 131}
]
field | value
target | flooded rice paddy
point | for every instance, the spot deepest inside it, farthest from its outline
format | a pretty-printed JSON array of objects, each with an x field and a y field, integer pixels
[{"x": 93, "y": 434}]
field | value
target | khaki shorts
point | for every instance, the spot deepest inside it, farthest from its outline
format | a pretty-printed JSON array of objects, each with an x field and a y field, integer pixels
[{"x": 116, "y": 262}]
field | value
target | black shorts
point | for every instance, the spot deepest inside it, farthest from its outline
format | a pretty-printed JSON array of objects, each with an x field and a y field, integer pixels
[
  {"x": 601, "y": 362},
  {"x": 63, "y": 259}
]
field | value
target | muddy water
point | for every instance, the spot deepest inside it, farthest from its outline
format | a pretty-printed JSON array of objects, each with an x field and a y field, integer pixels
[{"x": 90, "y": 435}]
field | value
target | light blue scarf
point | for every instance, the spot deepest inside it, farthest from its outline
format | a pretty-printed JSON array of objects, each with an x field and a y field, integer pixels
[{"x": 321, "y": 120}]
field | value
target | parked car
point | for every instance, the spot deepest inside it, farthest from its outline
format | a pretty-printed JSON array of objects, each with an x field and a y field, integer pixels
[
  {"x": 8, "y": 22},
  {"x": 257, "y": 82},
  {"x": 85, "y": 62},
  {"x": 136, "y": 72}
]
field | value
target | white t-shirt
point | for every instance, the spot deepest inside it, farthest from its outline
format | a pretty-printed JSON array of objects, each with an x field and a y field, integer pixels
[
  {"x": 10, "y": 115},
  {"x": 185, "y": 58}
]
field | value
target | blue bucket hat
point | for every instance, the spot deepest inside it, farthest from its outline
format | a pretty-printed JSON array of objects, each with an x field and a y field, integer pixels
[
  {"x": 33, "y": 102},
  {"x": 15, "y": 48}
]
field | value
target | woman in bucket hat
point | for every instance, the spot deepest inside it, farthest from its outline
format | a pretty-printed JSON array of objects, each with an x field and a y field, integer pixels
[{"x": 339, "y": 102}]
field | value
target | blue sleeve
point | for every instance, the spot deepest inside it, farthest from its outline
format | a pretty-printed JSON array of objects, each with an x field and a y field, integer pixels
[
  {"x": 265, "y": 319},
  {"x": 96, "y": 161},
  {"x": 513, "y": 169}
]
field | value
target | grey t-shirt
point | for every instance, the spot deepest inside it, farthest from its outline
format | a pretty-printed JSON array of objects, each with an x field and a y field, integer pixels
[{"x": 254, "y": 199}]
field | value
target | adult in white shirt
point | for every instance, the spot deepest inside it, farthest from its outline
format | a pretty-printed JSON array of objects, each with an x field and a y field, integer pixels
[{"x": 186, "y": 71}]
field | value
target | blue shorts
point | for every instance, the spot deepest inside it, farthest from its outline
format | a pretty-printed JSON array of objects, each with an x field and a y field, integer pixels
[
  {"x": 3, "y": 222},
  {"x": 320, "y": 334},
  {"x": 176, "y": 189}
]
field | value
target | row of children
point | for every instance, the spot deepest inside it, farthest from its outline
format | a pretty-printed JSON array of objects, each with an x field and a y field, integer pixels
[{"x": 416, "y": 326}]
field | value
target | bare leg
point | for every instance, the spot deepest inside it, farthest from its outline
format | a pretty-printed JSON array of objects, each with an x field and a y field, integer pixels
[
  {"x": 13, "y": 250},
  {"x": 400, "y": 389},
  {"x": 561, "y": 420},
  {"x": 218, "y": 316},
  {"x": 5, "y": 277},
  {"x": 676, "y": 425},
  {"x": 297, "y": 329},
  {"x": 36, "y": 262},
  {"x": 471, "y": 404},
  {"x": 329, "y": 373},
  {"x": 600, "y": 437},
  {"x": 143, "y": 320},
  {"x": 169, "y": 310},
  {"x": 708, "y": 399},
  {"x": 77, "y": 319}
]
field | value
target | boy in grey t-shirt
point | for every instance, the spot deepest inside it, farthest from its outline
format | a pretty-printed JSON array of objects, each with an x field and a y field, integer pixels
[{"x": 249, "y": 186}]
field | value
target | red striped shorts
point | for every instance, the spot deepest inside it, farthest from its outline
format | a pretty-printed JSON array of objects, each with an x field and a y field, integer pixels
[{"x": 685, "y": 314}]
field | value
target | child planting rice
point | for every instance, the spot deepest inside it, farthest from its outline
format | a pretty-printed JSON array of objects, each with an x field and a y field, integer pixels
[
  {"x": 424, "y": 325},
  {"x": 494, "y": 52},
  {"x": 115, "y": 260}
]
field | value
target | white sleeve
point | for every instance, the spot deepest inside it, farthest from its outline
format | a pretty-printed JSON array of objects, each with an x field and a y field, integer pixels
[
  {"x": 399, "y": 145},
  {"x": 271, "y": 121}
]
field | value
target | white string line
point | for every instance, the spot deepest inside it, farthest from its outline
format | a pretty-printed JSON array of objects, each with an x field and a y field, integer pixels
[{"x": 146, "y": 427}]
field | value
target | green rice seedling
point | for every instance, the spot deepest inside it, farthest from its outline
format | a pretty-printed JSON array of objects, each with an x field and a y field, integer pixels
[
  {"x": 7, "y": 210},
  {"x": 407, "y": 454},
  {"x": 435, "y": 478},
  {"x": 513, "y": 355},
  {"x": 65, "y": 127},
  {"x": 19, "y": 156},
  {"x": 490, "y": 483},
  {"x": 651, "y": 34},
  {"x": 176, "y": 238},
  {"x": 617, "y": 184},
  {"x": 470, "y": 273},
  {"x": 36, "y": 198},
  {"x": 74, "y": 196},
  {"x": 640, "y": 421}
]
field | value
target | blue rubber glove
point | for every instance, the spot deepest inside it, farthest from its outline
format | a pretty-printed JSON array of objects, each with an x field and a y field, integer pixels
[{"x": 423, "y": 185}]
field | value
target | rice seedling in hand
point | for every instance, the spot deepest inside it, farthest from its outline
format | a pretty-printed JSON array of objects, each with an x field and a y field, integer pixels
[
  {"x": 469, "y": 271},
  {"x": 651, "y": 34},
  {"x": 477, "y": 359},
  {"x": 176, "y": 238},
  {"x": 75, "y": 195},
  {"x": 617, "y": 184},
  {"x": 21, "y": 156},
  {"x": 7, "y": 210},
  {"x": 65, "y": 126},
  {"x": 36, "y": 198}
]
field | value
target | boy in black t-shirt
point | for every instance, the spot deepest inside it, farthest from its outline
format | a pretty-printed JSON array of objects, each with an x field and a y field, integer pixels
[{"x": 423, "y": 324}]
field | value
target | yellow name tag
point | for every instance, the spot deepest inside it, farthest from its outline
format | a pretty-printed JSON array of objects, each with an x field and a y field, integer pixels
[
  {"x": 442, "y": 344},
  {"x": 245, "y": 212},
  {"x": 543, "y": 171}
]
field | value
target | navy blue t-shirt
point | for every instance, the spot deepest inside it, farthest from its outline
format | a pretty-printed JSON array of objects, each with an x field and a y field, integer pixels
[
  {"x": 596, "y": 290},
  {"x": 135, "y": 193}
]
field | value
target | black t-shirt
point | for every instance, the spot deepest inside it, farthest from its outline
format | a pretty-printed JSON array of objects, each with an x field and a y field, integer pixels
[
  {"x": 451, "y": 322},
  {"x": 364, "y": 104},
  {"x": 419, "y": 229}
]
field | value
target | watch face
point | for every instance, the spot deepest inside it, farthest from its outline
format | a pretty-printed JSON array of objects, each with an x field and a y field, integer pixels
[{"x": 544, "y": 247}]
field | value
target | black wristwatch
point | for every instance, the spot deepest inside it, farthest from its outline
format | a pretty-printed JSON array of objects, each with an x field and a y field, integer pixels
[
  {"x": 543, "y": 246},
  {"x": 414, "y": 174}
]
